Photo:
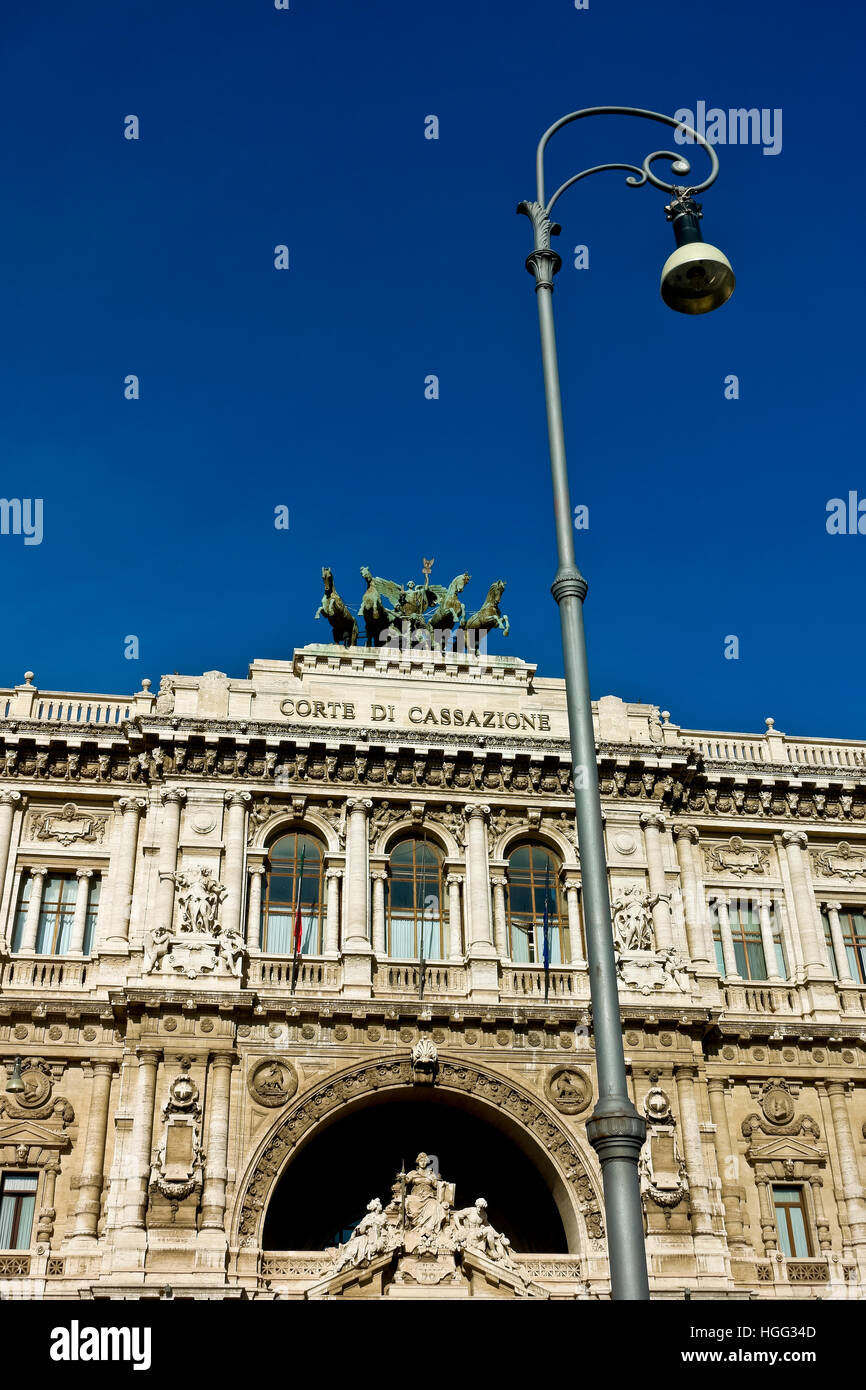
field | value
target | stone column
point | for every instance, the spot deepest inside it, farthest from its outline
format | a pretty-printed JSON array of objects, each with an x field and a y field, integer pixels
[
  {"x": 9, "y": 803},
  {"x": 843, "y": 967},
  {"x": 653, "y": 824},
  {"x": 479, "y": 927},
  {"x": 500, "y": 926},
  {"x": 172, "y": 801},
  {"x": 805, "y": 909},
  {"x": 769, "y": 1233},
  {"x": 693, "y": 1150},
  {"x": 123, "y": 874},
  {"x": 572, "y": 902},
  {"x": 728, "y": 1161},
  {"x": 256, "y": 873},
  {"x": 731, "y": 972},
  {"x": 694, "y": 910},
  {"x": 91, "y": 1176},
  {"x": 768, "y": 941},
  {"x": 455, "y": 932},
  {"x": 213, "y": 1198},
  {"x": 47, "y": 1213},
  {"x": 816, "y": 1182},
  {"x": 141, "y": 1141},
  {"x": 31, "y": 921},
  {"x": 380, "y": 878},
  {"x": 235, "y": 847},
  {"x": 79, "y": 921},
  {"x": 357, "y": 926},
  {"x": 846, "y": 1153},
  {"x": 332, "y": 918}
]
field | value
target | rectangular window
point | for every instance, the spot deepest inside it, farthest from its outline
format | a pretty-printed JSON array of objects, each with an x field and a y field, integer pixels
[
  {"x": 17, "y": 1206},
  {"x": 791, "y": 1222},
  {"x": 745, "y": 920},
  {"x": 853, "y": 922},
  {"x": 92, "y": 910},
  {"x": 56, "y": 912},
  {"x": 717, "y": 937},
  {"x": 828, "y": 943}
]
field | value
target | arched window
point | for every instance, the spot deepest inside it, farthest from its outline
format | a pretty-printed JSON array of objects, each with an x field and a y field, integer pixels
[
  {"x": 294, "y": 880},
  {"x": 416, "y": 902},
  {"x": 533, "y": 875}
]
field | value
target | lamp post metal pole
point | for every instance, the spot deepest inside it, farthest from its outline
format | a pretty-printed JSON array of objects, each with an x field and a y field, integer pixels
[{"x": 615, "y": 1130}]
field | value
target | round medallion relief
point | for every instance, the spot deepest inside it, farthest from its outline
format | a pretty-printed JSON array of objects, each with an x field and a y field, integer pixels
[
  {"x": 758, "y": 1053},
  {"x": 728, "y": 1053},
  {"x": 55, "y": 1033},
  {"x": 777, "y": 1105},
  {"x": 207, "y": 1025},
  {"x": 374, "y": 1034},
  {"x": 20, "y": 1032},
  {"x": 203, "y": 822},
  {"x": 275, "y": 1030},
  {"x": 406, "y": 1034},
  {"x": 37, "y": 1087},
  {"x": 89, "y": 1035},
  {"x": 272, "y": 1082},
  {"x": 341, "y": 1033},
  {"x": 439, "y": 1035},
  {"x": 534, "y": 1039},
  {"x": 169, "y": 1024},
  {"x": 503, "y": 1038},
  {"x": 666, "y": 1039},
  {"x": 566, "y": 1041},
  {"x": 623, "y": 843},
  {"x": 569, "y": 1089},
  {"x": 244, "y": 1030},
  {"x": 633, "y": 1039},
  {"x": 308, "y": 1032},
  {"x": 818, "y": 1054},
  {"x": 471, "y": 1039},
  {"x": 789, "y": 1054},
  {"x": 848, "y": 1058}
]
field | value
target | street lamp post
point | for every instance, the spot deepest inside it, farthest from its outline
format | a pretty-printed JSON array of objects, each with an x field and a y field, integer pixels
[{"x": 695, "y": 279}]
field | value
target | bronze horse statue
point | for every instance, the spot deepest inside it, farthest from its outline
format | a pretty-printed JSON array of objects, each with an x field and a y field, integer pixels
[
  {"x": 343, "y": 624},
  {"x": 450, "y": 610},
  {"x": 488, "y": 615},
  {"x": 376, "y": 616}
]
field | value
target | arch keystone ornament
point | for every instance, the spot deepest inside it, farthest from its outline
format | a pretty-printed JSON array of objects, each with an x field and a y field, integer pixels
[{"x": 396, "y": 1073}]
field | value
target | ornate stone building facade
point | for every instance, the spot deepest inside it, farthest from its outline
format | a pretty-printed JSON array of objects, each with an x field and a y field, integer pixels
[{"x": 192, "y": 1104}]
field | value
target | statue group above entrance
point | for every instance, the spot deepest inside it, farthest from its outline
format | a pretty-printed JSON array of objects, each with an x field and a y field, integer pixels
[
  {"x": 428, "y": 609},
  {"x": 425, "y": 1237}
]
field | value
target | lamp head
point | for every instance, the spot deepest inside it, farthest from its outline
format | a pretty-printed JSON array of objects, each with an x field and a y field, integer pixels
[
  {"x": 697, "y": 277},
  {"x": 15, "y": 1084}
]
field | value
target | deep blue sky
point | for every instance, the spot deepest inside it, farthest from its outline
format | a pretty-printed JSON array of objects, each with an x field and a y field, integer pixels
[{"x": 306, "y": 387}]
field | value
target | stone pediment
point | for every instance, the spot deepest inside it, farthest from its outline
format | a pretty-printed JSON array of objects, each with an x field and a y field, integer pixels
[
  {"x": 30, "y": 1132},
  {"x": 462, "y": 1274},
  {"x": 785, "y": 1148}
]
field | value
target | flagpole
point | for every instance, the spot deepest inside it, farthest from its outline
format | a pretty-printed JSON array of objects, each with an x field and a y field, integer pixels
[
  {"x": 423, "y": 907},
  {"x": 297, "y": 924},
  {"x": 545, "y": 945}
]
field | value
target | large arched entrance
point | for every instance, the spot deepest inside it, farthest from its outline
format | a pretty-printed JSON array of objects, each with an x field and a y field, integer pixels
[{"x": 324, "y": 1190}]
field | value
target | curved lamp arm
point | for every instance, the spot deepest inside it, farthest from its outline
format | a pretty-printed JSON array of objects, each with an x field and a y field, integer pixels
[
  {"x": 644, "y": 174},
  {"x": 539, "y": 211}
]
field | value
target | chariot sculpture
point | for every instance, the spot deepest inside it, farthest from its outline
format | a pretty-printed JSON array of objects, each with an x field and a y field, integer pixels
[{"x": 428, "y": 609}]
